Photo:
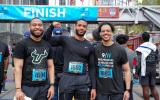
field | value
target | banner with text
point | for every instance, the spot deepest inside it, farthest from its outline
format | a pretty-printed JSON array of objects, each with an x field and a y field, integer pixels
[{"x": 47, "y": 13}]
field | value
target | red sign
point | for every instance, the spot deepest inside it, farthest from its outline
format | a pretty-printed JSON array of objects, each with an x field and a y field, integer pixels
[{"x": 108, "y": 12}]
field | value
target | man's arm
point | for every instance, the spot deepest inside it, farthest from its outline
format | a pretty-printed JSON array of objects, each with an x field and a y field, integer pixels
[
  {"x": 18, "y": 78},
  {"x": 127, "y": 74},
  {"x": 51, "y": 78},
  {"x": 92, "y": 74},
  {"x": 18, "y": 63},
  {"x": 51, "y": 70},
  {"x": 6, "y": 63},
  {"x": 53, "y": 40},
  {"x": 48, "y": 33},
  {"x": 92, "y": 67}
]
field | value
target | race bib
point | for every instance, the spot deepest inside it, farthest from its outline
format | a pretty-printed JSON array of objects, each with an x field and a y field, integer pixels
[
  {"x": 39, "y": 74},
  {"x": 75, "y": 67},
  {"x": 105, "y": 73},
  {"x": 0, "y": 57}
]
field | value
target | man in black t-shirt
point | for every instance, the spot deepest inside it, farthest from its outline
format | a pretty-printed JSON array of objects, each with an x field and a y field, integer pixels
[
  {"x": 4, "y": 61},
  {"x": 148, "y": 58},
  {"x": 111, "y": 61},
  {"x": 78, "y": 78},
  {"x": 34, "y": 67}
]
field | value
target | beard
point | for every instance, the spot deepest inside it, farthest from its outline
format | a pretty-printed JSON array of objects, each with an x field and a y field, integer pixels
[
  {"x": 36, "y": 36},
  {"x": 79, "y": 33}
]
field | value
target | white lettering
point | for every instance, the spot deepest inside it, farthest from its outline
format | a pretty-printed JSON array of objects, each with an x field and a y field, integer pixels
[
  {"x": 61, "y": 12},
  {"x": 45, "y": 12},
  {"x": 40, "y": 12},
  {"x": 33, "y": 13},
  {"x": 53, "y": 13},
  {"x": 27, "y": 11}
]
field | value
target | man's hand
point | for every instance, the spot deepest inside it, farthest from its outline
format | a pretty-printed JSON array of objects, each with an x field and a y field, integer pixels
[
  {"x": 126, "y": 95},
  {"x": 93, "y": 94},
  {"x": 19, "y": 95},
  {"x": 50, "y": 92}
]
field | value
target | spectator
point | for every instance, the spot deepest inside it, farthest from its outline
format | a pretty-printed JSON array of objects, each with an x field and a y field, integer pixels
[{"x": 148, "y": 57}]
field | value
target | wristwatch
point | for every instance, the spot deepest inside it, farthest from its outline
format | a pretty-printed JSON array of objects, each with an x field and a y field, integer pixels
[
  {"x": 5, "y": 71},
  {"x": 128, "y": 90},
  {"x": 51, "y": 84}
]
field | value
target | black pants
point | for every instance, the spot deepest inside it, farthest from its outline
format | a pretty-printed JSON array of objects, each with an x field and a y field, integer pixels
[
  {"x": 109, "y": 96},
  {"x": 77, "y": 94},
  {"x": 1, "y": 85}
]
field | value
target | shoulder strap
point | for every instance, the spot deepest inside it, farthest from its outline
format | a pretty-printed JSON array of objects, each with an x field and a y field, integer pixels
[{"x": 145, "y": 47}]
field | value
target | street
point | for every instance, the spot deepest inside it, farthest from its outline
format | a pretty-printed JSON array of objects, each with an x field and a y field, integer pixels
[{"x": 10, "y": 86}]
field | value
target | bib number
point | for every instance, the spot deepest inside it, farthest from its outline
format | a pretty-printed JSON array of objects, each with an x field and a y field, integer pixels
[
  {"x": 105, "y": 73},
  {"x": 75, "y": 67},
  {"x": 39, "y": 74},
  {"x": 0, "y": 57}
]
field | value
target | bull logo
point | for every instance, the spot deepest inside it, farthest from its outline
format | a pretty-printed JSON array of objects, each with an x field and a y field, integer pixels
[{"x": 37, "y": 58}]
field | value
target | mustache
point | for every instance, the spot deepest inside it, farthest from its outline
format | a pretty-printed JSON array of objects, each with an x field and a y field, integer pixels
[{"x": 38, "y": 29}]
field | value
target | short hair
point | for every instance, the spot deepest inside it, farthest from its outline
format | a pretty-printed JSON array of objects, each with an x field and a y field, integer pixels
[
  {"x": 96, "y": 35},
  {"x": 145, "y": 36},
  {"x": 122, "y": 39},
  {"x": 35, "y": 18},
  {"x": 81, "y": 20},
  {"x": 106, "y": 23}
]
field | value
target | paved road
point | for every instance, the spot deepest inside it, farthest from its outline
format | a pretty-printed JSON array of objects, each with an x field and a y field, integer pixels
[
  {"x": 10, "y": 86},
  {"x": 138, "y": 92}
]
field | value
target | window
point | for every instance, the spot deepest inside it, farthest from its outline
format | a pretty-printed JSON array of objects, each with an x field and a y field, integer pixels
[
  {"x": 41, "y": 2},
  {"x": 61, "y": 2}
]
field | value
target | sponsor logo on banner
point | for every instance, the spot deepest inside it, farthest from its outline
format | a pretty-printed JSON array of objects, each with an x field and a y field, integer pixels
[{"x": 108, "y": 12}]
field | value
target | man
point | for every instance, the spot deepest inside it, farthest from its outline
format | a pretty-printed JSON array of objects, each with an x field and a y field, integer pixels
[
  {"x": 132, "y": 57},
  {"x": 148, "y": 57},
  {"x": 111, "y": 61},
  {"x": 96, "y": 37},
  {"x": 58, "y": 58},
  {"x": 4, "y": 61},
  {"x": 78, "y": 78},
  {"x": 33, "y": 64}
]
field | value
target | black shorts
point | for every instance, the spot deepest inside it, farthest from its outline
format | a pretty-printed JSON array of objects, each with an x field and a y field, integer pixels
[
  {"x": 36, "y": 93},
  {"x": 149, "y": 79}
]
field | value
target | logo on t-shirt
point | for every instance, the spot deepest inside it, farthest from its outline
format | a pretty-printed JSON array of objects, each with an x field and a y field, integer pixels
[{"x": 37, "y": 58}]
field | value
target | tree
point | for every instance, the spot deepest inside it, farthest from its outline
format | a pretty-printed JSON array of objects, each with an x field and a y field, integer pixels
[{"x": 151, "y": 2}]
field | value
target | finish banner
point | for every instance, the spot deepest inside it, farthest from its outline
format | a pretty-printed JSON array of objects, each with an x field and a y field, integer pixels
[{"x": 47, "y": 13}]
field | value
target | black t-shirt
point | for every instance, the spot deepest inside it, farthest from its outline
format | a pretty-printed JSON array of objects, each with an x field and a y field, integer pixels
[
  {"x": 58, "y": 58},
  {"x": 4, "y": 52},
  {"x": 109, "y": 68},
  {"x": 78, "y": 61},
  {"x": 35, "y": 55}
]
